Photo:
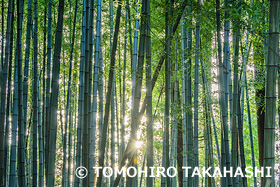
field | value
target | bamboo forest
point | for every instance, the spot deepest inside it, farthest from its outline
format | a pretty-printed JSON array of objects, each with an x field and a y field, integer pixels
[{"x": 148, "y": 93}]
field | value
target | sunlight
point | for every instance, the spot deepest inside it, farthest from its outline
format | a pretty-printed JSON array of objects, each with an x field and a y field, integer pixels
[
  {"x": 143, "y": 119},
  {"x": 126, "y": 119},
  {"x": 139, "y": 144},
  {"x": 157, "y": 125},
  {"x": 139, "y": 132}
]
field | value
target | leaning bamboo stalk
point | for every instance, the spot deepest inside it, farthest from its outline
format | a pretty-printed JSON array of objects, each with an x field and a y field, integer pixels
[
  {"x": 162, "y": 57},
  {"x": 108, "y": 96}
]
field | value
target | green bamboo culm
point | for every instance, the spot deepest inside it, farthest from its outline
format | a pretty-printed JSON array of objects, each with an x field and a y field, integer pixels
[
  {"x": 48, "y": 86},
  {"x": 224, "y": 125},
  {"x": 81, "y": 93},
  {"x": 149, "y": 110},
  {"x": 8, "y": 109},
  {"x": 35, "y": 97},
  {"x": 196, "y": 91},
  {"x": 21, "y": 129},
  {"x": 97, "y": 55},
  {"x": 165, "y": 147},
  {"x": 270, "y": 91},
  {"x": 54, "y": 96}
]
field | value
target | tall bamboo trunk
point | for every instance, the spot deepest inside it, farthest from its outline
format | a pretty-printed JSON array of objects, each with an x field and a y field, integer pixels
[
  {"x": 21, "y": 133},
  {"x": 70, "y": 147},
  {"x": 165, "y": 149},
  {"x": 241, "y": 141},
  {"x": 123, "y": 93},
  {"x": 180, "y": 142},
  {"x": 226, "y": 60},
  {"x": 81, "y": 93},
  {"x": 35, "y": 97},
  {"x": 55, "y": 95},
  {"x": 135, "y": 48},
  {"x": 3, "y": 88},
  {"x": 90, "y": 59},
  {"x": 26, "y": 69},
  {"x": 149, "y": 111},
  {"x": 184, "y": 71},
  {"x": 44, "y": 84},
  {"x": 40, "y": 132},
  {"x": 113, "y": 122},
  {"x": 2, "y": 39},
  {"x": 196, "y": 82},
  {"x": 95, "y": 87},
  {"x": 250, "y": 129},
  {"x": 26, "y": 66},
  {"x": 259, "y": 73},
  {"x": 207, "y": 142},
  {"x": 85, "y": 139},
  {"x": 13, "y": 154},
  {"x": 100, "y": 87},
  {"x": 189, "y": 117},
  {"x": 48, "y": 87},
  {"x": 174, "y": 130},
  {"x": 270, "y": 91},
  {"x": 8, "y": 110},
  {"x": 234, "y": 150}
]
